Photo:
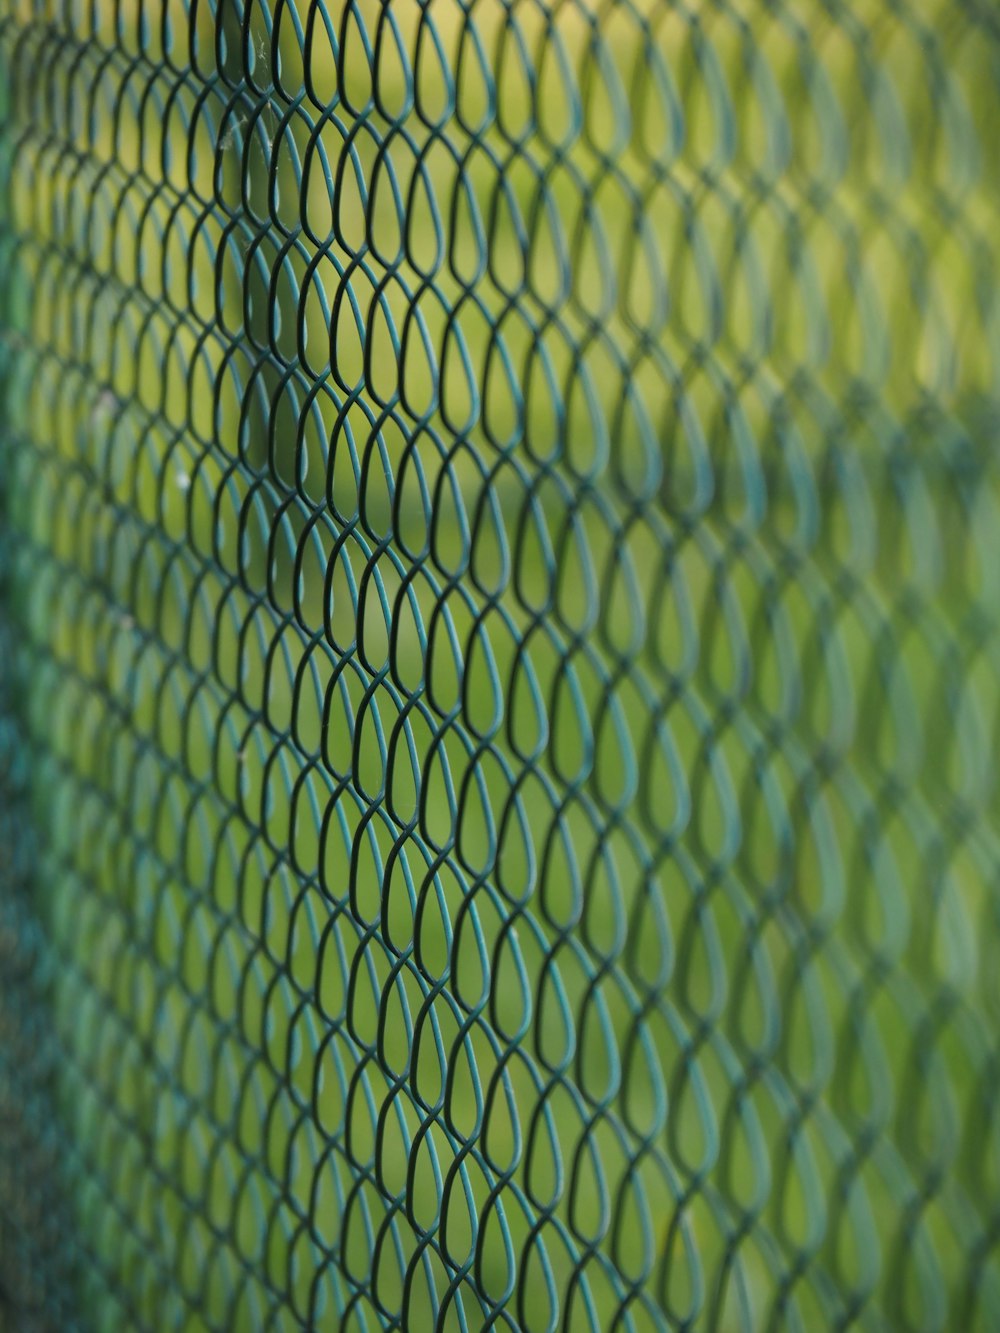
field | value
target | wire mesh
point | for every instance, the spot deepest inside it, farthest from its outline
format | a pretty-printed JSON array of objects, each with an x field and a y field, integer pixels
[{"x": 499, "y": 700}]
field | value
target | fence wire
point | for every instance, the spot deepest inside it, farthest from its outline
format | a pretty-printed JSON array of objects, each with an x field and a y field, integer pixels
[{"x": 499, "y": 634}]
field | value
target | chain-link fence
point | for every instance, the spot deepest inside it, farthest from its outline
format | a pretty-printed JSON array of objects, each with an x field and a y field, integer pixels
[{"x": 499, "y": 705}]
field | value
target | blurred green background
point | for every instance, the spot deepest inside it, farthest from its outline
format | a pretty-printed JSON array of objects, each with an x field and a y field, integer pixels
[{"x": 501, "y": 508}]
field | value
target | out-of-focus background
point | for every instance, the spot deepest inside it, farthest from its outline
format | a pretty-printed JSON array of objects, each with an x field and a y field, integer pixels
[{"x": 499, "y": 708}]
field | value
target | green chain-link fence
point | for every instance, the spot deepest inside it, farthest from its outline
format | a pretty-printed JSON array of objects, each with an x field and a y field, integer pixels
[{"x": 499, "y": 713}]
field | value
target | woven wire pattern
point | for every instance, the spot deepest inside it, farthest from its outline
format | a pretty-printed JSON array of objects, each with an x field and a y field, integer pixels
[{"x": 498, "y": 618}]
